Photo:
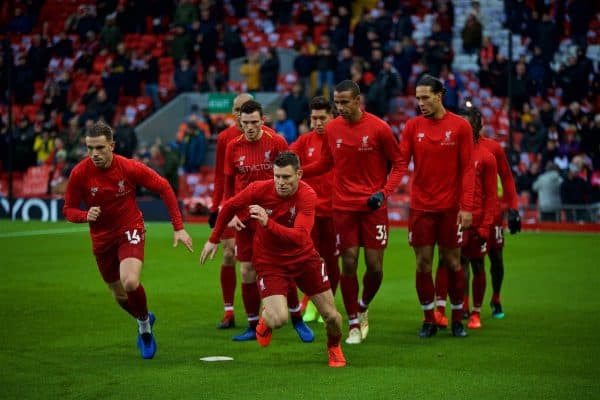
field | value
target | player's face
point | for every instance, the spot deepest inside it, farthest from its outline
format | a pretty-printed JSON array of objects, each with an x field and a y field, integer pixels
[
  {"x": 251, "y": 124},
  {"x": 238, "y": 102},
  {"x": 429, "y": 103},
  {"x": 286, "y": 180},
  {"x": 318, "y": 120},
  {"x": 100, "y": 150},
  {"x": 347, "y": 105}
]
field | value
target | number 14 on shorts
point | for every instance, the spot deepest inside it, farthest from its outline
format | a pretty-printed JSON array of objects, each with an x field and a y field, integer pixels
[{"x": 133, "y": 236}]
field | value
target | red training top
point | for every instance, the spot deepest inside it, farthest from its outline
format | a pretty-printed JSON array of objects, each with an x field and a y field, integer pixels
[
  {"x": 485, "y": 193},
  {"x": 506, "y": 176}
]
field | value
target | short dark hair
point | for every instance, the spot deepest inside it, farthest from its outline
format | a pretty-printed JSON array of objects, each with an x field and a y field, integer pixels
[
  {"x": 434, "y": 83},
  {"x": 473, "y": 115},
  {"x": 348, "y": 86},
  {"x": 286, "y": 158},
  {"x": 251, "y": 106},
  {"x": 321, "y": 103},
  {"x": 101, "y": 128}
]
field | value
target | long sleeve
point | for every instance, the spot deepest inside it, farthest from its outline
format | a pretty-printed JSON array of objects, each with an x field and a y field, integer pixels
[
  {"x": 152, "y": 181},
  {"x": 229, "y": 209},
  {"x": 303, "y": 224},
  {"x": 73, "y": 199},
  {"x": 508, "y": 182},
  {"x": 467, "y": 170},
  {"x": 406, "y": 148},
  {"x": 322, "y": 166},
  {"x": 489, "y": 192},
  {"x": 392, "y": 152},
  {"x": 219, "y": 183}
]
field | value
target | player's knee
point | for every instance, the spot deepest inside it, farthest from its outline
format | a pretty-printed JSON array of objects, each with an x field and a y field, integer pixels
[
  {"x": 130, "y": 283},
  {"x": 331, "y": 316},
  {"x": 424, "y": 264}
]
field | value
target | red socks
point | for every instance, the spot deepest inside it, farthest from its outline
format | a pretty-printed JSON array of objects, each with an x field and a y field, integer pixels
[
  {"x": 426, "y": 294},
  {"x": 251, "y": 299},
  {"x": 371, "y": 284},
  {"x": 349, "y": 287},
  {"x": 136, "y": 303},
  {"x": 228, "y": 282},
  {"x": 478, "y": 287},
  {"x": 456, "y": 286}
]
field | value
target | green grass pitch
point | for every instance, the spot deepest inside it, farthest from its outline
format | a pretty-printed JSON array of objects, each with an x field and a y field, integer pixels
[{"x": 62, "y": 336}]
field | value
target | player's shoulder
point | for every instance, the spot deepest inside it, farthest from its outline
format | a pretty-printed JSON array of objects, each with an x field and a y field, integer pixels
[
  {"x": 458, "y": 121},
  {"x": 305, "y": 190},
  {"x": 83, "y": 166},
  {"x": 490, "y": 144},
  {"x": 268, "y": 129}
]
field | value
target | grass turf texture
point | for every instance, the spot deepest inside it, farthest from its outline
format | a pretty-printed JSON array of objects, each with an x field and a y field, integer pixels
[{"x": 63, "y": 336}]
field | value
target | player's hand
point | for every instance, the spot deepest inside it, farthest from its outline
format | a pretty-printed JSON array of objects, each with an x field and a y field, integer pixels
[
  {"x": 183, "y": 237},
  {"x": 208, "y": 251},
  {"x": 259, "y": 214},
  {"x": 514, "y": 221},
  {"x": 464, "y": 219},
  {"x": 93, "y": 214},
  {"x": 212, "y": 218},
  {"x": 376, "y": 200},
  {"x": 236, "y": 224}
]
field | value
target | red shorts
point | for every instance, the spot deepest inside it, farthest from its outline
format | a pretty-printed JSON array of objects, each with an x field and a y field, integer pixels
[
  {"x": 367, "y": 229},
  {"x": 496, "y": 238},
  {"x": 473, "y": 246},
  {"x": 129, "y": 244},
  {"x": 426, "y": 228},
  {"x": 243, "y": 244},
  {"x": 309, "y": 275},
  {"x": 323, "y": 236}
]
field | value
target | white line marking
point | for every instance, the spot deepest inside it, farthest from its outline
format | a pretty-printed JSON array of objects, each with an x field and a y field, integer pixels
[{"x": 42, "y": 232}]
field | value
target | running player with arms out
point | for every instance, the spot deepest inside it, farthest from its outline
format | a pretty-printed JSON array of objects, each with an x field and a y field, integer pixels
[
  {"x": 440, "y": 144},
  {"x": 249, "y": 158},
  {"x": 358, "y": 146},
  {"x": 308, "y": 148},
  {"x": 284, "y": 211},
  {"x": 106, "y": 183}
]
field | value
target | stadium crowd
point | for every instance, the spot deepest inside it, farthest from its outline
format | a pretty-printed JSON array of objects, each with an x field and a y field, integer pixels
[{"x": 71, "y": 63}]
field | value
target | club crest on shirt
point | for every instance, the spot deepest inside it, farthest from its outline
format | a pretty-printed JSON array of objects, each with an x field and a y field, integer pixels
[
  {"x": 448, "y": 139},
  {"x": 241, "y": 160},
  {"x": 268, "y": 156},
  {"x": 94, "y": 190},
  {"x": 311, "y": 150},
  {"x": 364, "y": 145},
  {"x": 420, "y": 136},
  {"x": 292, "y": 214},
  {"x": 338, "y": 143},
  {"x": 121, "y": 185}
]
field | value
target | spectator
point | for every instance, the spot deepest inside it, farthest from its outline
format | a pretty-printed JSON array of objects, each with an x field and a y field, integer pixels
[
  {"x": 326, "y": 58},
  {"x": 38, "y": 56},
  {"x": 453, "y": 86},
  {"x": 342, "y": 70},
  {"x": 232, "y": 43},
  {"x": 133, "y": 75},
  {"x": 23, "y": 81},
  {"x": 43, "y": 146},
  {"x": 285, "y": 127},
  {"x": 574, "y": 191},
  {"x": 386, "y": 86},
  {"x": 181, "y": 44},
  {"x": 102, "y": 107},
  {"x": 184, "y": 77},
  {"x": 213, "y": 80},
  {"x": 24, "y": 156},
  {"x": 304, "y": 65},
  {"x": 472, "y": 35},
  {"x": 545, "y": 37},
  {"x": 125, "y": 138},
  {"x": 21, "y": 22},
  {"x": 547, "y": 185},
  {"x": 150, "y": 75},
  {"x": 192, "y": 149},
  {"x": 185, "y": 13},
  {"x": 269, "y": 71},
  {"x": 338, "y": 33},
  {"x": 110, "y": 35},
  {"x": 296, "y": 105},
  {"x": 250, "y": 69}
]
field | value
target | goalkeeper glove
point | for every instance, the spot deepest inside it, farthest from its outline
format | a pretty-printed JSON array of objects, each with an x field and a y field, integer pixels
[
  {"x": 376, "y": 200},
  {"x": 514, "y": 221},
  {"x": 212, "y": 218}
]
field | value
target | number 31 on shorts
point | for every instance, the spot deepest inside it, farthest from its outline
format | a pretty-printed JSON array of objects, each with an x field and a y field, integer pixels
[{"x": 381, "y": 233}]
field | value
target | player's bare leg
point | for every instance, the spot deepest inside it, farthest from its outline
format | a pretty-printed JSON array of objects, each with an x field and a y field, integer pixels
[
  {"x": 349, "y": 287},
  {"x": 456, "y": 288},
  {"x": 425, "y": 289},
  {"x": 251, "y": 299},
  {"x": 228, "y": 283},
  {"x": 129, "y": 271},
  {"x": 274, "y": 315},
  {"x": 333, "y": 324}
]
